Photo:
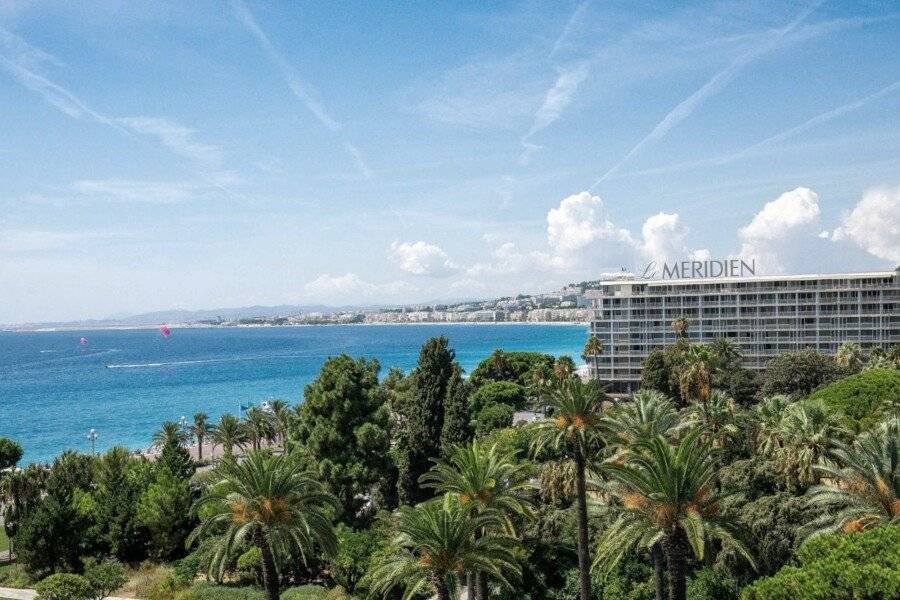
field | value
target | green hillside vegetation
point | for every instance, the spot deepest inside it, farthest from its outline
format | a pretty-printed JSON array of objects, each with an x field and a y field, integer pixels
[{"x": 864, "y": 397}]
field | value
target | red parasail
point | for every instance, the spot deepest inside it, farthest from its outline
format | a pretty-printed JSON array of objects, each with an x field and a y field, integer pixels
[{"x": 164, "y": 330}]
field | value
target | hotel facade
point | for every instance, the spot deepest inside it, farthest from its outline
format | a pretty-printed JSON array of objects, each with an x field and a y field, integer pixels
[{"x": 763, "y": 316}]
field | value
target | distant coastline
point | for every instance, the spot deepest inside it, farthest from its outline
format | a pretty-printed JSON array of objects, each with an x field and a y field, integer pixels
[{"x": 280, "y": 326}]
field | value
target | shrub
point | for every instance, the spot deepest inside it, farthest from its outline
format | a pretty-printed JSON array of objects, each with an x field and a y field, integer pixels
[
  {"x": 249, "y": 566},
  {"x": 64, "y": 586},
  {"x": 309, "y": 592},
  {"x": 105, "y": 578},
  {"x": 863, "y": 397},
  {"x": 15, "y": 576},
  {"x": 208, "y": 591},
  {"x": 154, "y": 582},
  {"x": 491, "y": 417},
  {"x": 711, "y": 584},
  {"x": 859, "y": 565}
]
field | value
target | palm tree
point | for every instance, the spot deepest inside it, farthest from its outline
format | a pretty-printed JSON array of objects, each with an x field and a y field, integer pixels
[
  {"x": 765, "y": 420},
  {"x": 680, "y": 327},
  {"x": 564, "y": 367},
  {"x": 230, "y": 432},
  {"x": 850, "y": 356},
  {"x": 575, "y": 426},
  {"x": 260, "y": 426},
  {"x": 667, "y": 495},
  {"x": 201, "y": 430},
  {"x": 725, "y": 351},
  {"x": 593, "y": 347},
  {"x": 270, "y": 502},
  {"x": 171, "y": 433},
  {"x": 484, "y": 479},
  {"x": 717, "y": 417},
  {"x": 437, "y": 543},
  {"x": 281, "y": 418},
  {"x": 695, "y": 378},
  {"x": 808, "y": 432},
  {"x": 649, "y": 413},
  {"x": 864, "y": 491}
]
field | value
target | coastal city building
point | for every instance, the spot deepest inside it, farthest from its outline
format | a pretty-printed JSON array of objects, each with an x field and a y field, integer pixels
[{"x": 763, "y": 316}]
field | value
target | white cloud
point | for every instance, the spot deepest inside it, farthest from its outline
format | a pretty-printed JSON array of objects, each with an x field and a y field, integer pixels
[
  {"x": 351, "y": 289},
  {"x": 874, "y": 224},
  {"x": 663, "y": 237},
  {"x": 421, "y": 258},
  {"x": 783, "y": 232},
  {"x": 177, "y": 138},
  {"x": 579, "y": 222},
  {"x": 126, "y": 190}
]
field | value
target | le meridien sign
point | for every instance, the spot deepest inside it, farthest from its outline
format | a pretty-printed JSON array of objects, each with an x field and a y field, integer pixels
[{"x": 692, "y": 269}]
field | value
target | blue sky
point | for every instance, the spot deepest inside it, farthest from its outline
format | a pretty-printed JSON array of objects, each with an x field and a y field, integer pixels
[{"x": 207, "y": 154}]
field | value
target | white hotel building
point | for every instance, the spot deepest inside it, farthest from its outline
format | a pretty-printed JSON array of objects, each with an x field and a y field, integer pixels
[{"x": 763, "y": 316}]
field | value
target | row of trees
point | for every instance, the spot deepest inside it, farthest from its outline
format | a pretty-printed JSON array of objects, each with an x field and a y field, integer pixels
[{"x": 418, "y": 483}]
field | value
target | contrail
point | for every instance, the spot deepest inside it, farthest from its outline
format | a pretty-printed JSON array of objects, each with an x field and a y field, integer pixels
[
  {"x": 294, "y": 83},
  {"x": 715, "y": 85}
]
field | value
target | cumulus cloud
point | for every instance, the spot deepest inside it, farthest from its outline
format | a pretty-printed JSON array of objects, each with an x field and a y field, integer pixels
[
  {"x": 421, "y": 258},
  {"x": 578, "y": 222},
  {"x": 664, "y": 237},
  {"x": 874, "y": 224},
  {"x": 782, "y": 231}
]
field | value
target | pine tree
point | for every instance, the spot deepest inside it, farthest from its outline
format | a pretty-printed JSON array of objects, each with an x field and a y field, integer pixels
[
  {"x": 420, "y": 441},
  {"x": 457, "y": 428}
]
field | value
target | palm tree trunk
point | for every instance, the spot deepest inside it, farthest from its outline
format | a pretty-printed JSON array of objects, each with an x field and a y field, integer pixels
[
  {"x": 658, "y": 570},
  {"x": 584, "y": 564},
  {"x": 441, "y": 589},
  {"x": 482, "y": 583},
  {"x": 471, "y": 593},
  {"x": 675, "y": 547},
  {"x": 199, "y": 448},
  {"x": 269, "y": 571}
]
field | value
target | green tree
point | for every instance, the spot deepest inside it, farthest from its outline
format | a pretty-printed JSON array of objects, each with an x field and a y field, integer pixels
[
  {"x": 863, "y": 489},
  {"x": 20, "y": 491},
  {"x": 656, "y": 374},
  {"x": 270, "y": 502},
  {"x": 171, "y": 433},
  {"x": 797, "y": 374},
  {"x": 119, "y": 482},
  {"x": 514, "y": 367},
  {"x": 680, "y": 327},
  {"x": 282, "y": 419},
  {"x": 436, "y": 542},
  {"x": 230, "y": 433},
  {"x": 10, "y": 453},
  {"x": 575, "y": 429},
  {"x": 485, "y": 479},
  {"x": 668, "y": 495},
  {"x": 497, "y": 392},
  {"x": 104, "y": 578},
  {"x": 718, "y": 417},
  {"x": 343, "y": 426},
  {"x": 457, "y": 428},
  {"x": 649, "y": 413},
  {"x": 832, "y": 567},
  {"x": 420, "y": 440},
  {"x": 593, "y": 347},
  {"x": 564, "y": 368},
  {"x": 175, "y": 458},
  {"x": 695, "y": 376},
  {"x": 202, "y": 430},
  {"x": 492, "y": 417},
  {"x": 354, "y": 555},
  {"x": 164, "y": 509},
  {"x": 50, "y": 537}
]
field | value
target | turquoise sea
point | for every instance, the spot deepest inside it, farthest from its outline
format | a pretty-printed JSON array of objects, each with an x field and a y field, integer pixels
[{"x": 124, "y": 383}]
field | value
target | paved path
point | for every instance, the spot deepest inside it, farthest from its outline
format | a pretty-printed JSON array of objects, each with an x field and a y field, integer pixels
[{"x": 14, "y": 594}]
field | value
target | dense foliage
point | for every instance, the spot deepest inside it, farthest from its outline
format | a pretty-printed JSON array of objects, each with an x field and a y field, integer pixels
[{"x": 711, "y": 482}]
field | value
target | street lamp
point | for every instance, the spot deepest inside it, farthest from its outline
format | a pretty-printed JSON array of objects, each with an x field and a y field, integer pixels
[{"x": 92, "y": 435}]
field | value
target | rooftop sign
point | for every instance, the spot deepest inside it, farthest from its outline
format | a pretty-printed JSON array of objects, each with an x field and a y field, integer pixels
[{"x": 700, "y": 269}]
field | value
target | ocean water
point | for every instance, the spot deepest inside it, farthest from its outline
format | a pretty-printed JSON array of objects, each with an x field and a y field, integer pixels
[{"x": 124, "y": 383}]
